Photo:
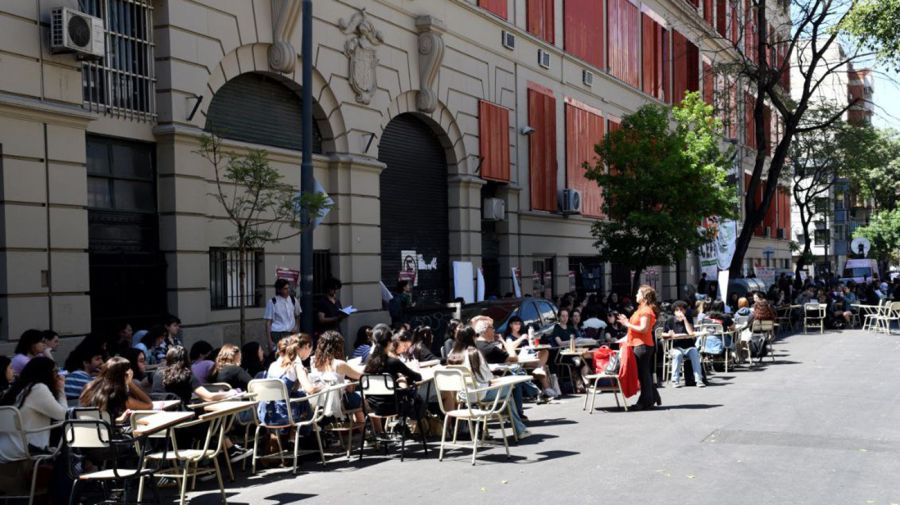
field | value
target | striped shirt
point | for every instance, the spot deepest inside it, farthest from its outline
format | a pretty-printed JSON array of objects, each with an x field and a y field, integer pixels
[{"x": 75, "y": 383}]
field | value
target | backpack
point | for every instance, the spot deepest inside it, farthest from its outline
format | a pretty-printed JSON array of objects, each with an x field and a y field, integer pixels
[
  {"x": 293, "y": 301},
  {"x": 758, "y": 347}
]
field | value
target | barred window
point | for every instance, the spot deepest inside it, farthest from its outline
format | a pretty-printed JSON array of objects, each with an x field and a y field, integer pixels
[
  {"x": 122, "y": 83},
  {"x": 225, "y": 281}
]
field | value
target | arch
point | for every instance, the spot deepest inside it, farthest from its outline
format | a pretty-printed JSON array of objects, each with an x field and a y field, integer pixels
[
  {"x": 254, "y": 58},
  {"x": 441, "y": 121}
]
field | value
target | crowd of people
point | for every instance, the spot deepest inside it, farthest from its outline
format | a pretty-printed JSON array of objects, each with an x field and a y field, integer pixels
[{"x": 125, "y": 370}]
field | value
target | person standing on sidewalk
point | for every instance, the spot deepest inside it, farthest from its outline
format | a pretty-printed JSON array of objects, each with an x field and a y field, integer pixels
[
  {"x": 640, "y": 338},
  {"x": 282, "y": 314}
]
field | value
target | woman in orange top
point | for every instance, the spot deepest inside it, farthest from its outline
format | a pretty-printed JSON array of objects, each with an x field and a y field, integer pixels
[{"x": 640, "y": 338}]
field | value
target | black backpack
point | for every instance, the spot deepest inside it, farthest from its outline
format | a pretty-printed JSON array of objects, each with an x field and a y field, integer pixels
[
  {"x": 293, "y": 301},
  {"x": 758, "y": 347}
]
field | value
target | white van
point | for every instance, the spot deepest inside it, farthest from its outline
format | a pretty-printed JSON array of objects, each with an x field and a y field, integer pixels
[{"x": 859, "y": 270}]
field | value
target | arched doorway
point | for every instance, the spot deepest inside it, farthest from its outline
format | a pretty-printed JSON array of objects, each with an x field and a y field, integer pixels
[{"x": 414, "y": 215}]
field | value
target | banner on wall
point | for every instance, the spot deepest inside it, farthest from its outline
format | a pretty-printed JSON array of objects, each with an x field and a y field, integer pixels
[
  {"x": 292, "y": 275},
  {"x": 479, "y": 286},
  {"x": 409, "y": 266},
  {"x": 723, "y": 284},
  {"x": 516, "y": 278},
  {"x": 726, "y": 241},
  {"x": 464, "y": 281},
  {"x": 765, "y": 274}
]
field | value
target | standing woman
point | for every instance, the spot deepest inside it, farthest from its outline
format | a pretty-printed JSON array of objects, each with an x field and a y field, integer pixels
[{"x": 640, "y": 338}]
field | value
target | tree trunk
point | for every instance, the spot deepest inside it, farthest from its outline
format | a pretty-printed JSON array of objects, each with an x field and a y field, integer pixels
[{"x": 242, "y": 276}]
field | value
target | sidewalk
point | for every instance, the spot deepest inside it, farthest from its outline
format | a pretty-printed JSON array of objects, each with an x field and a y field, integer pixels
[{"x": 818, "y": 426}]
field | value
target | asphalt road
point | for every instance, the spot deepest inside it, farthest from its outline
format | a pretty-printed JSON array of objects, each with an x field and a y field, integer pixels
[{"x": 819, "y": 425}]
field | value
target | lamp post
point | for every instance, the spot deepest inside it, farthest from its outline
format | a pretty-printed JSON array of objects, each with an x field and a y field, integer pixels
[{"x": 307, "y": 182}]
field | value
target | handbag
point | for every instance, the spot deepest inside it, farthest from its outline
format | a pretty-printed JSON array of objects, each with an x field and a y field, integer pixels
[
  {"x": 601, "y": 358},
  {"x": 612, "y": 367}
]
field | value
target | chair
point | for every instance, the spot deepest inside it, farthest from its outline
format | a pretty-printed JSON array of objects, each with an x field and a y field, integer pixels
[
  {"x": 784, "y": 321},
  {"x": 888, "y": 312},
  {"x": 873, "y": 312},
  {"x": 11, "y": 426},
  {"x": 190, "y": 459},
  {"x": 383, "y": 385},
  {"x": 594, "y": 388},
  {"x": 814, "y": 317},
  {"x": 274, "y": 390},
  {"x": 86, "y": 436},
  {"x": 563, "y": 369},
  {"x": 765, "y": 329},
  {"x": 729, "y": 345},
  {"x": 477, "y": 415}
]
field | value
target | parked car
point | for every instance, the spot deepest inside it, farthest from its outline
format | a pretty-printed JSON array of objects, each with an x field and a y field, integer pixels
[
  {"x": 538, "y": 313},
  {"x": 745, "y": 286},
  {"x": 859, "y": 270}
]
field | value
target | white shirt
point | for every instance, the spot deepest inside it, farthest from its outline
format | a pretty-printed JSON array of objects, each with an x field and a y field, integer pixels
[
  {"x": 39, "y": 410},
  {"x": 283, "y": 313}
]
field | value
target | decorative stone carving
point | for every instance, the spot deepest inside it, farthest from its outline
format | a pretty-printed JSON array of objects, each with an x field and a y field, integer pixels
[
  {"x": 431, "y": 54},
  {"x": 360, "y": 48},
  {"x": 282, "y": 55}
]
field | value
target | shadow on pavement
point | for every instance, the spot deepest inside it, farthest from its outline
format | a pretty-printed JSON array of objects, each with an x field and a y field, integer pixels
[
  {"x": 689, "y": 406},
  {"x": 551, "y": 422}
]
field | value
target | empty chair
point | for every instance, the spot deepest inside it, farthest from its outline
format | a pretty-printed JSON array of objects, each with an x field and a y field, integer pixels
[{"x": 814, "y": 317}]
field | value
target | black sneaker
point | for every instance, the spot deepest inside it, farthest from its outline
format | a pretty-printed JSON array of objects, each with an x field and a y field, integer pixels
[{"x": 238, "y": 453}]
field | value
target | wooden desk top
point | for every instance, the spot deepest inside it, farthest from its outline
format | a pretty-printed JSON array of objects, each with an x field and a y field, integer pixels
[
  {"x": 227, "y": 407},
  {"x": 160, "y": 421}
]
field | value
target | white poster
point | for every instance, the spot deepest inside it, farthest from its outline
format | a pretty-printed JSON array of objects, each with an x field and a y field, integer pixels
[
  {"x": 479, "y": 287},
  {"x": 709, "y": 262},
  {"x": 517, "y": 286},
  {"x": 765, "y": 274},
  {"x": 726, "y": 239},
  {"x": 409, "y": 266},
  {"x": 464, "y": 281},
  {"x": 723, "y": 284}
]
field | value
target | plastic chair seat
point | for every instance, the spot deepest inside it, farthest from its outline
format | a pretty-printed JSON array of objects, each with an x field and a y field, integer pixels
[
  {"x": 470, "y": 414},
  {"x": 113, "y": 474},
  {"x": 183, "y": 454}
]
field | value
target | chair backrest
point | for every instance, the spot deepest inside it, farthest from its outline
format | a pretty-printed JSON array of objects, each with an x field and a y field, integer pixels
[
  {"x": 894, "y": 309},
  {"x": 217, "y": 387},
  {"x": 377, "y": 384},
  {"x": 813, "y": 307},
  {"x": 87, "y": 433},
  {"x": 90, "y": 413},
  {"x": 11, "y": 426},
  {"x": 762, "y": 326},
  {"x": 711, "y": 328},
  {"x": 449, "y": 379},
  {"x": 268, "y": 390}
]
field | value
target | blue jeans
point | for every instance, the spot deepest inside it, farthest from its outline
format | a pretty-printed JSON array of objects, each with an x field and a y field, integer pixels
[
  {"x": 518, "y": 425},
  {"x": 678, "y": 359}
]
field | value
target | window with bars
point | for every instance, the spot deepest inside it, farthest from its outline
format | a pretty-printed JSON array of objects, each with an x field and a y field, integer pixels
[
  {"x": 225, "y": 280},
  {"x": 122, "y": 83}
]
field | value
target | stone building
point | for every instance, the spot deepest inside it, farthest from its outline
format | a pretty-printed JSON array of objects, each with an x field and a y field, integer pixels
[{"x": 423, "y": 111}]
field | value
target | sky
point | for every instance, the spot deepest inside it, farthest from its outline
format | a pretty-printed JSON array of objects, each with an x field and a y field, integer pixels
[{"x": 887, "y": 100}]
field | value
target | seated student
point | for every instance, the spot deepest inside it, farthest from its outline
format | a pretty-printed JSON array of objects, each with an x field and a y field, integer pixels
[
  {"x": 152, "y": 343},
  {"x": 421, "y": 345},
  {"x": 82, "y": 364},
  {"x": 6, "y": 374},
  {"x": 466, "y": 353},
  {"x": 681, "y": 348},
  {"x": 499, "y": 352},
  {"x": 114, "y": 392},
  {"x": 138, "y": 362},
  {"x": 201, "y": 361},
  {"x": 40, "y": 396},
  {"x": 363, "y": 344},
  {"x": 453, "y": 326},
  {"x": 253, "y": 359},
  {"x": 384, "y": 360},
  {"x": 227, "y": 368},
  {"x": 51, "y": 343},
  {"x": 328, "y": 367},
  {"x": 30, "y": 344},
  {"x": 285, "y": 369},
  {"x": 563, "y": 333},
  {"x": 515, "y": 336}
]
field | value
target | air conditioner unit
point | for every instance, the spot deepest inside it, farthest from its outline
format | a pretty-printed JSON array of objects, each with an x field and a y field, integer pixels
[
  {"x": 543, "y": 58},
  {"x": 768, "y": 231},
  {"x": 493, "y": 209},
  {"x": 587, "y": 77},
  {"x": 508, "y": 40},
  {"x": 569, "y": 201},
  {"x": 74, "y": 31}
]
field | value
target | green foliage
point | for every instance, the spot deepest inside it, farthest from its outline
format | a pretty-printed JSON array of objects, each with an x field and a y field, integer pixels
[
  {"x": 666, "y": 174},
  {"x": 884, "y": 232},
  {"x": 874, "y": 165},
  {"x": 876, "y": 23},
  {"x": 260, "y": 206}
]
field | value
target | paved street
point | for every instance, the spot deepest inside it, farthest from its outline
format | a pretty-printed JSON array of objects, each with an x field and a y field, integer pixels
[{"x": 818, "y": 426}]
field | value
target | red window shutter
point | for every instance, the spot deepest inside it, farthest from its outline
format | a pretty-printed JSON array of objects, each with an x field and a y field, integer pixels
[
  {"x": 709, "y": 84},
  {"x": 542, "y": 150},
  {"x": 750, "y": 127},
  {"x": 540, "y": 19},
  {"x": 498, "y": 7},
  {"x": 623, "y": 33},
  {"x": 584, "y": 129},
  {"x": 583, "y": 30},
  {"x": 655, "y": 59},
  {"x": 493, "y": 141},
  {"x": 687, "y": 60},
  {"x": 708, "y": 11},
  {"x": 721, "y": 17}
]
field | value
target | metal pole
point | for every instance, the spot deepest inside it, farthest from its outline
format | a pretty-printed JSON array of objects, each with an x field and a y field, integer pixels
[{"x": 307, "y": 181}]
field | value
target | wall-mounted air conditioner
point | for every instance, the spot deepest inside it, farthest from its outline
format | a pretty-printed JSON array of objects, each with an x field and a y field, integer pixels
[
  {"x": 569, "y": 201},
  {"x": 493, "y": 209},
  {"x": 74, "y": 31}
]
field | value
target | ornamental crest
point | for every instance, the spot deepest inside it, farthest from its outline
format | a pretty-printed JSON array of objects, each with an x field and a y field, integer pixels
[{"x": 360, "y": 48}]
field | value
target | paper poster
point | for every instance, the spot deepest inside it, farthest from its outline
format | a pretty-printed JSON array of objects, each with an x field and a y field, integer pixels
[
  {"x": 572, "y": 284},
  {"x": 409, "y": 266},
  {"x": 765, "y": 274},
  {"x": 479, "y": 286},
  {"x": 517, "y": 286},
  {"x": 464, "y": 281},
  {"x": 292, "y": 275},
  {"x": 709, "y": 259},
  {"x": 723, "y": 284},
  {"x": 726, "y": 240}
]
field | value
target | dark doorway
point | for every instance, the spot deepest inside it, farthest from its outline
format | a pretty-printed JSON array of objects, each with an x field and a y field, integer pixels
[
  {"x": 414, "y": 207},
  {"x": 127, "y": 270}
]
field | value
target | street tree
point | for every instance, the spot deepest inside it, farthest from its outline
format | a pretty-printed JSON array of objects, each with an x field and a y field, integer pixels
[
  {"x": 661, "y": 173},
  {"x": 876, "y": 174},
  {"x": 258, "y": 204},
  {"x": 763, "y": 43},
  {"x": 883, "y": 231},
  {"x": 877, "y": 24}
]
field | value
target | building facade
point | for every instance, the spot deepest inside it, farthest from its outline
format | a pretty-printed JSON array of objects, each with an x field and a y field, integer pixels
[{"x": 444, "y": 131}]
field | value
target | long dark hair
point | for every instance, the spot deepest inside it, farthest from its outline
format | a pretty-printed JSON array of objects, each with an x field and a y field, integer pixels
[
  {"x": 228, "y": 354},
  {"x": 363, "y": 336},
  {"x": 39, "y": 370},
  {"x": 250, "y": 359},
  {"x": 132, "y": 354},
  {"x": 4, "y": 364},
  {"x": 178, "y": 366},
  {"x": 329, "y": 347},
  {"x": 423, "y": 337},
  {"x": 465, "y": 338},
  {"x": 382, "y": 338},
  {"x": 453, "y": 328},
  {"x": 27, "y": 340},
  {"x": 109, "y": 391},
  {"x": 201, "y": 349}
]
